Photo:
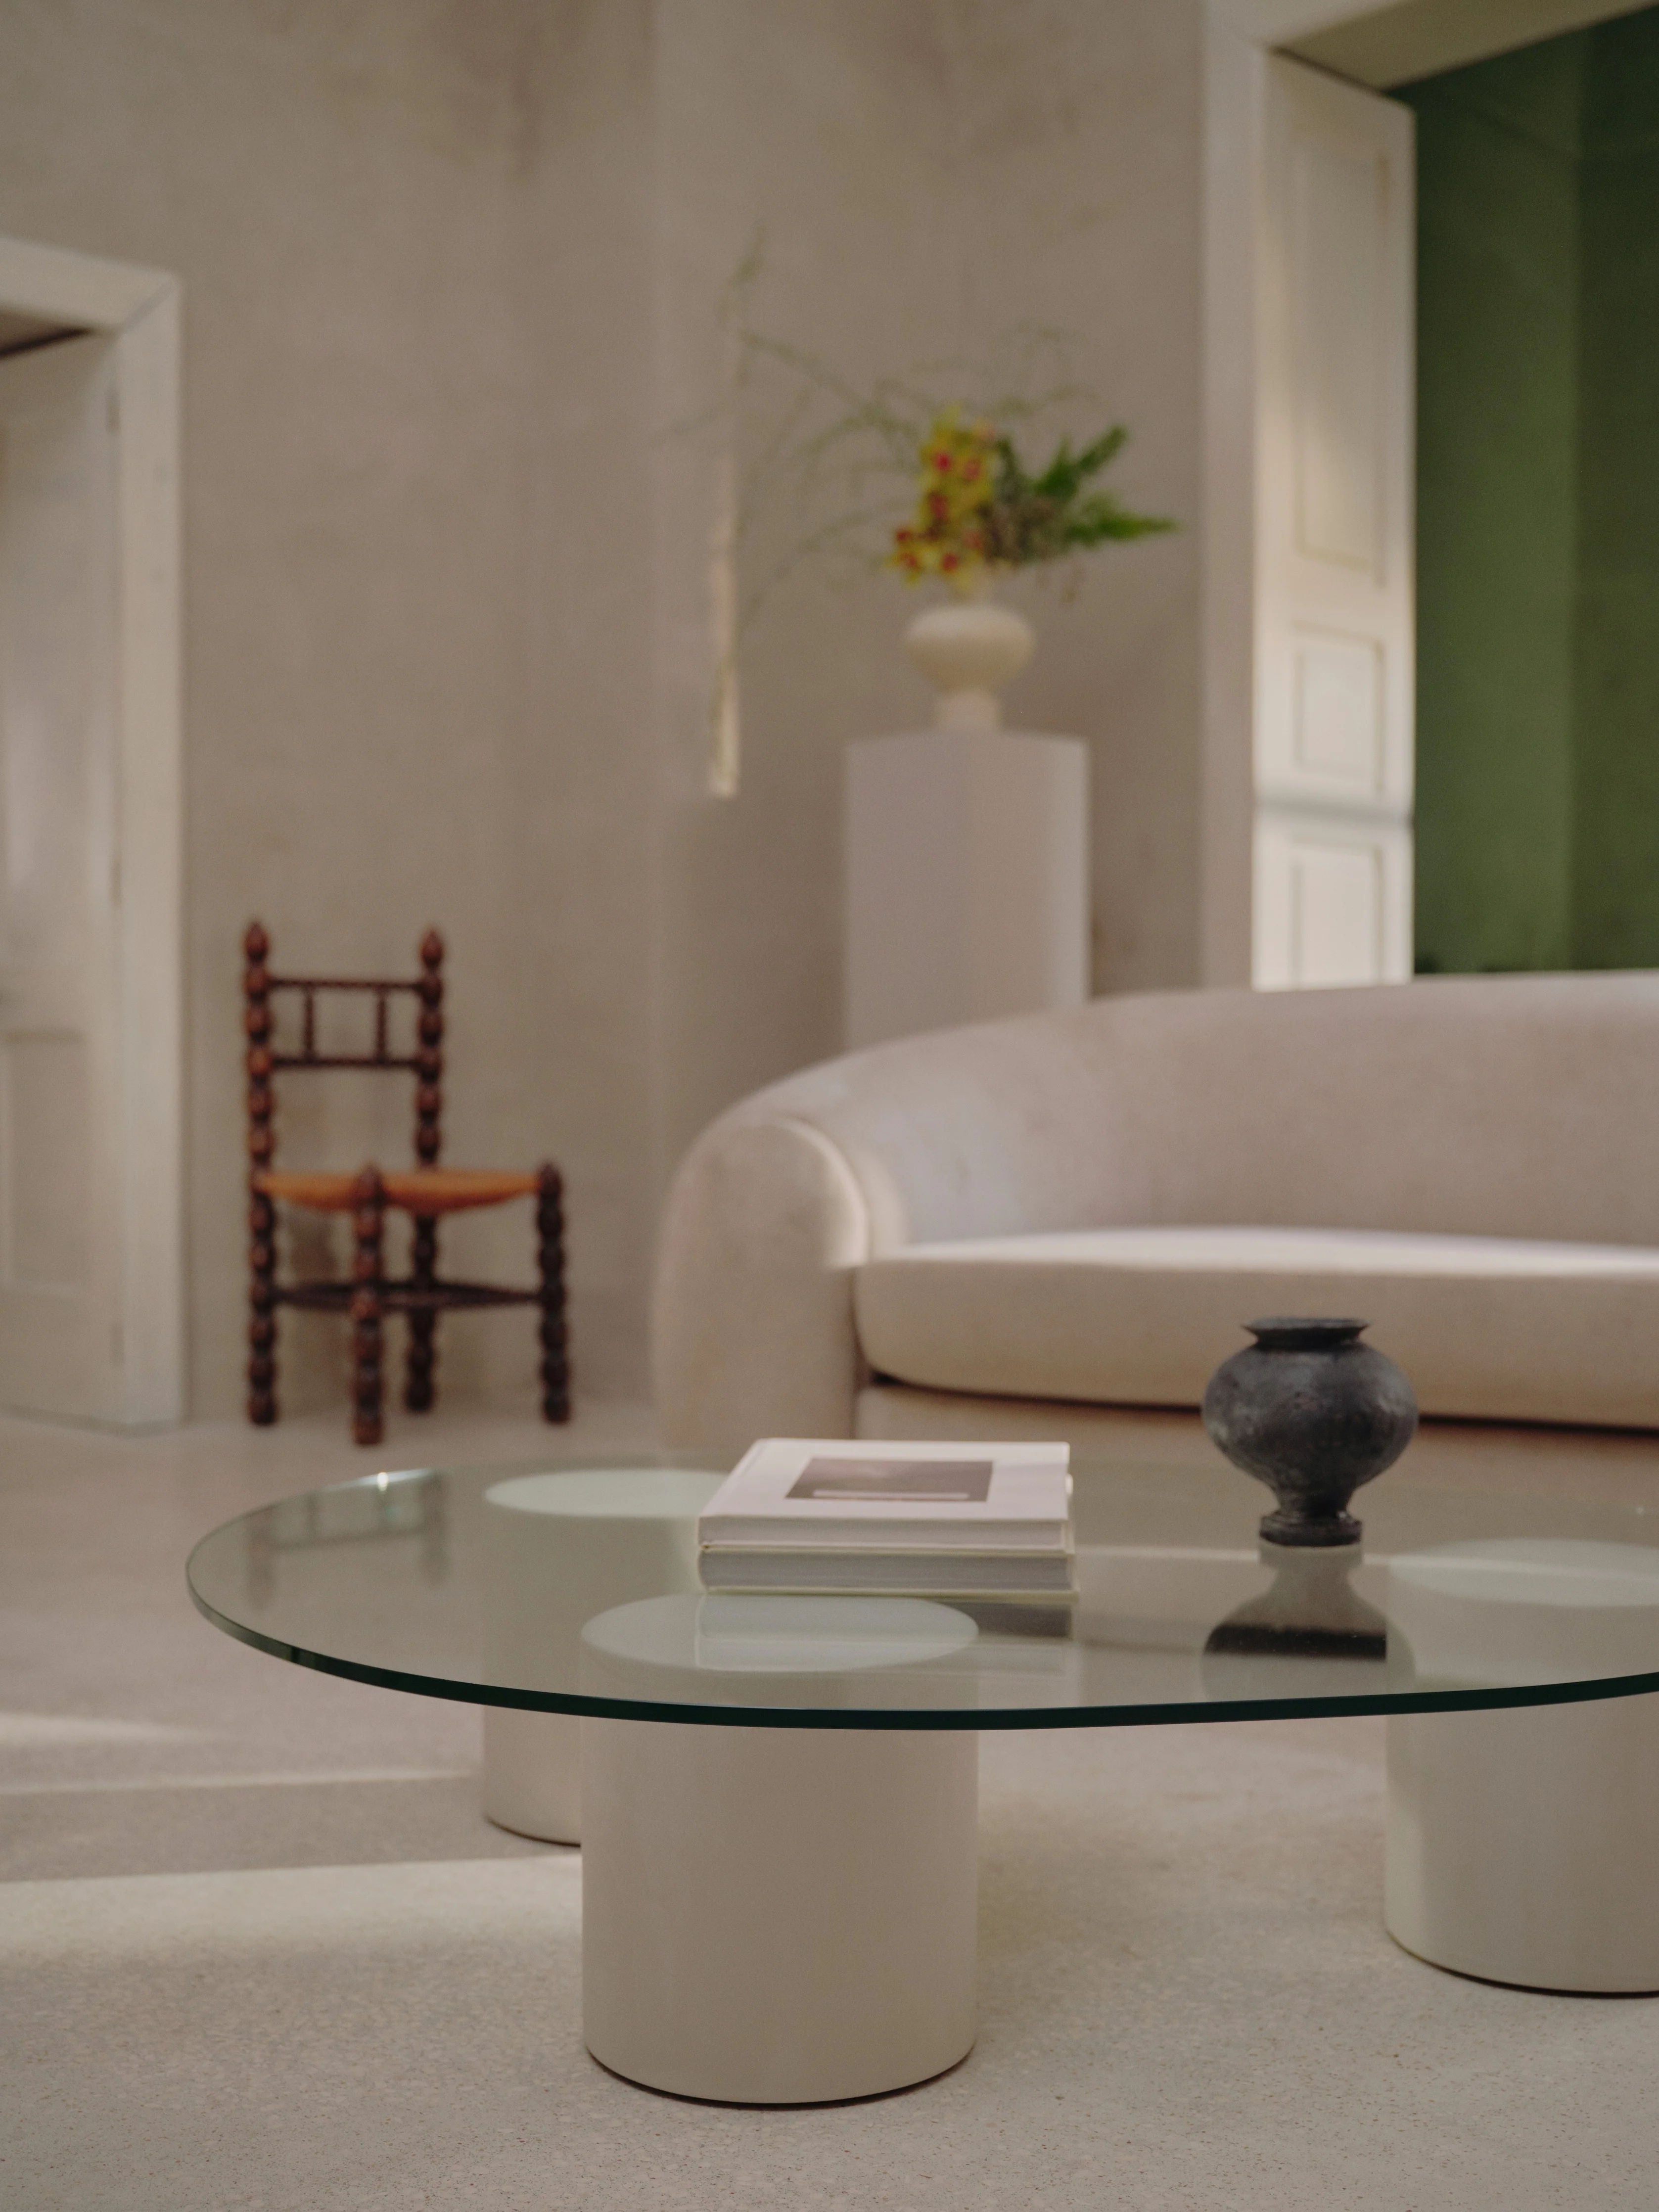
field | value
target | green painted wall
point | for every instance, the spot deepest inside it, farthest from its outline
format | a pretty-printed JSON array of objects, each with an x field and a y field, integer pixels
[
  {"x": 1538, "y": 506},
  {"x": 1616, "y": 722}
]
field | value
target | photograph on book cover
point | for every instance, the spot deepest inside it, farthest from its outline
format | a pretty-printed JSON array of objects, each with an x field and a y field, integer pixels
[{"x": 948, "y": 1481}]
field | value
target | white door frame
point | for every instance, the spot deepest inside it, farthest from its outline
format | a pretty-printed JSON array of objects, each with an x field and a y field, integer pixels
[{"x": 140, "y": 309}]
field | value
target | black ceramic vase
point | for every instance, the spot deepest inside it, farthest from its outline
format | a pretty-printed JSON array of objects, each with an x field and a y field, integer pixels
[{"x": 1313, "y": 1412}]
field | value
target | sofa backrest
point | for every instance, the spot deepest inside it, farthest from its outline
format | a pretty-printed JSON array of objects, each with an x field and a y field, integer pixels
[{"x": 1518, "y": 1106}]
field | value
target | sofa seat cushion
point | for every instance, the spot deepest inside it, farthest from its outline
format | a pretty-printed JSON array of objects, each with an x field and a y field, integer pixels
[{"x": 1486, "y": 1328}]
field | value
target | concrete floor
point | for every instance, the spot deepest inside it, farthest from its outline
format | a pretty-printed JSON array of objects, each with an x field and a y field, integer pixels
[{"x": 258, "y": 1949}]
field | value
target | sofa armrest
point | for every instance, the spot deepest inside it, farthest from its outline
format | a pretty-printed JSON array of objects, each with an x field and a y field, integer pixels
[
  {"x": 965, "y": 1133},
  {"x": 752, "y": 1320}
]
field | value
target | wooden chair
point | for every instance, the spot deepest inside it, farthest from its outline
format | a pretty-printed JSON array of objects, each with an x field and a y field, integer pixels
[{"x": 426, "y": 1193}]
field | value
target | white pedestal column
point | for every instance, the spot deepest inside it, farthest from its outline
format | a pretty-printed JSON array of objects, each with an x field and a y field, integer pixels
[
  {"x": 558, "y": 1549},
  {"x": 778, "y": 1916},
  {"x": 967, "y": 859}
]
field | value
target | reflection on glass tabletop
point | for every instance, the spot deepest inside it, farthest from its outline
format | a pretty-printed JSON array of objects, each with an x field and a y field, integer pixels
[{"x": 1499, "y": 1568}]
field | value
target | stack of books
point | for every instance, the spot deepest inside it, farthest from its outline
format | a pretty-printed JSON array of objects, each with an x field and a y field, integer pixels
[{"x": 986, "y": 1528}]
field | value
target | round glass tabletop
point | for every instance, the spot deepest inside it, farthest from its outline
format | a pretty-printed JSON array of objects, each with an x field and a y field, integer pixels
[{"x": 1498, "y": 1578}]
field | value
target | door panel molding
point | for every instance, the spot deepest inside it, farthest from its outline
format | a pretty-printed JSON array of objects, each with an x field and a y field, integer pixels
[{"x": 1333, "y": 899}]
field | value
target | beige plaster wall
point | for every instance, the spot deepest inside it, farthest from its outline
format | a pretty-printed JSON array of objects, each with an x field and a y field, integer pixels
[
  {"x": 349, "y": 194},
  {"x": 1079, "y": 159},
  {"x": 450, "y": 271},
  {"x": 821, "y": 131},
  {"x": 927, "y": 180}
]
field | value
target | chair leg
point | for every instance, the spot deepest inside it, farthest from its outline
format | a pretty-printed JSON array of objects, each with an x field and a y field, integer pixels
[
  {"x": 368, "y": 1304},
  {"x": 418, "y": 1390},
  {"x": 550, "y": 1247},
  {"x": 262, "y": 1311}
]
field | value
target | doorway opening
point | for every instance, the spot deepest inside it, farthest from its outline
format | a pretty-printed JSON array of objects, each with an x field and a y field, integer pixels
[
  {"x": 1356, "y": 822},
  {"x": 1538, "y": 506},
  {"x": 91, "y": 969}
]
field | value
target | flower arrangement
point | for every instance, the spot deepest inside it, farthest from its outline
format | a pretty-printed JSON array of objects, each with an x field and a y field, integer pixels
[
  {"x": 811, "y": 467},
  {"x": 980, "y": 508}
]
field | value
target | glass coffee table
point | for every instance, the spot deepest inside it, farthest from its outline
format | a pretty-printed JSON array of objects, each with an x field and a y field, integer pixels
[{"x": 776, "y": 1796}]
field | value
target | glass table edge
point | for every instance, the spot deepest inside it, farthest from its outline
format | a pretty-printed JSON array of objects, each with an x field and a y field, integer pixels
[{"x": 1184, "y": 1712}]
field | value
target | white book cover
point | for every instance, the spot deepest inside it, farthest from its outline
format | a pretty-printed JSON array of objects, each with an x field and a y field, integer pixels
[
  {"x": 800, "y": 1492},
  {"x": 913, "y": 1573}
]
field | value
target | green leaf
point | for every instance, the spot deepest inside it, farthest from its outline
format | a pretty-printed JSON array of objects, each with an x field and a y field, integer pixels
[{"x": 1041, "y": 517}]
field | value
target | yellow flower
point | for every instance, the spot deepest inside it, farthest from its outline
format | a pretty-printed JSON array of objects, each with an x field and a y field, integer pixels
[{"x": 954, "y": 487}]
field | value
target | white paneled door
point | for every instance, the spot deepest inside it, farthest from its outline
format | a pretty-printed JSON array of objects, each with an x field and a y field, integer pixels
[
  {"x": 1333, "y": 764},
  {"x": 60, "y": 1292}
]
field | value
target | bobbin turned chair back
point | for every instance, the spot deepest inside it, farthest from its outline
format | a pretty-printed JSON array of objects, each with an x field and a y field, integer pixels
[{"x": 425, "y": 1063}]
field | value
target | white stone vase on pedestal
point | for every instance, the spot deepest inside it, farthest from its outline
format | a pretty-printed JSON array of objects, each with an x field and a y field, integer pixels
[
  {"x": 967, "y": 846},
  {"x": 969, "y": 649}
]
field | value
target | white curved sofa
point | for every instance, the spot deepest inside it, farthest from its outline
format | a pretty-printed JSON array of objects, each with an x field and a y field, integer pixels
[{"x": 1080, "y": 1208}]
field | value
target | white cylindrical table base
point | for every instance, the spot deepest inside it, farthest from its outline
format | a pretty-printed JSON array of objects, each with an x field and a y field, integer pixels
[
  {"x": 1523, "y": 1843},
  {"x": 777, "y": 1916},
  {"x": 559, "y": 1548},
  {"x": 533, "y": 1775}
]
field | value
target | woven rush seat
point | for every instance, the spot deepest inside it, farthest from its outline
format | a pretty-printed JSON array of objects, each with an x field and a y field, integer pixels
[{"x": 425, "y": 1192}]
